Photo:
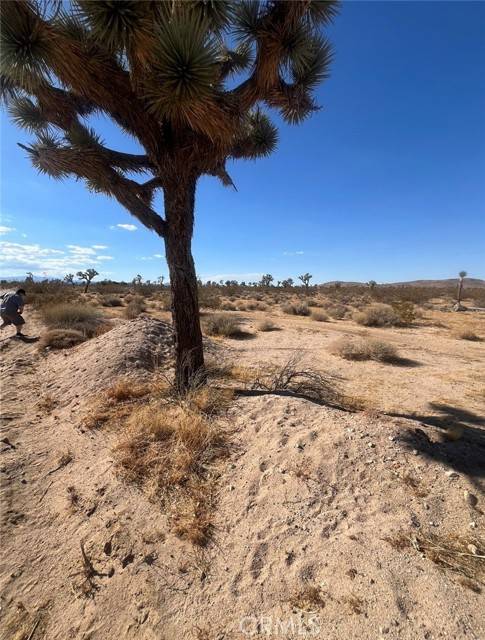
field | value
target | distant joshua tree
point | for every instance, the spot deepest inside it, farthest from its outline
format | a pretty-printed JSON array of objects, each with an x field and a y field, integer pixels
[
  {"x": 29, "y": 278},
  {"x": 462, "y": 275},
  {"x": 287, "y": 284},
  {"x": 69, "y": 278},
  {"x": 160, "y": 280},
  {"x": 305, "y": 278},
  {"x": 266, "y": 280},
  {"x": 87, "y": 276},
  {"x": 190, "y": 80},
  {"x": 372, "y": 284}
]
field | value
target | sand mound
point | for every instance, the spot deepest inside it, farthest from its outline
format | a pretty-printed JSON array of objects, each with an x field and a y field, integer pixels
[{"x": 136, "y": 345}]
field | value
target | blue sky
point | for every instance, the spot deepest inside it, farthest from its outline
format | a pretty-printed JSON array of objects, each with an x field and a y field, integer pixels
[{"x": 385, "y": 183}]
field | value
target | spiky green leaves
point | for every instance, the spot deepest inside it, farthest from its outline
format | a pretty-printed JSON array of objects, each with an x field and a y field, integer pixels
[
  {"x": 27, "y": 115},
  {"x": 185, "y": 76},
  {"x": 258, "y": 137},
  {"x": 323, "y": 11},
  {"x": 247, "y": 20},
  {"x": 24, "y": 46},
  {"x": 216, "y": 13},
  {"x": 114, "y": 23}
]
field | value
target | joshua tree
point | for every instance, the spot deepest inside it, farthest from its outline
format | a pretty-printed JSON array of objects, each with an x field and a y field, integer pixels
[
  {"x": 87, "y": 276},
  {"x": 137, "y": 280},
  {"x": 29, "y": 278},
  {"x": 372, "y": 284},
  {"x": 462, "y": 275},
  {"x": 69, "y": 278},
  {"x": 165, "y": 73},
  {"x": 287, "y": 284},
  {"x": 160, "y": 280},
  {"x": 305, "y": 278},
  {"x": 266, "y": 280}
]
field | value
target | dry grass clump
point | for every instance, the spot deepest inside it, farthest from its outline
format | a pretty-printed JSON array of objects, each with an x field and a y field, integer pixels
[
  {"x": 296, "y": 309},
  {"x": 364, "y": 349},
  {"x": 79, "y": 317},
  {"x": 319, "y": 316},
  {"x": 210, "y": 400},
  {"x": 267, "y": 325},
  {"x": 171, "y": 451},
  {"x": 462, "y": 554},
  {"x": 378, "y": 315},
  {"x": 467, "y": 334},
  {"x": 228, "y": 306},
  {"x": 134, "y": 308},
  {"x": 337, "y": 311},
  {"x": 61, "y": 339},
  {"x": 126, "y": 389},
  {"x": 220, "y": 325},
  {"x": 111, "y": 301}
]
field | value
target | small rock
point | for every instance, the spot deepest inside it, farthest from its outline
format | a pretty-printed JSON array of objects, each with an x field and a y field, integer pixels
[
  {"x": 383, "y": 630},
  {"x": 371, "y": 445},
  {"x": 472, "y": 548},
  {"x": 392, "y": 438},
  {"x": 470, "y": 498},
  {"x": 415, "y": 452},
  {"x": 473, "y": 525},
  {"x": 452, "y": 474}
]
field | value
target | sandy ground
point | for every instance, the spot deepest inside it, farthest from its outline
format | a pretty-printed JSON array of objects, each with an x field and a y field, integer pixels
[{"x": 308, "y": 501}]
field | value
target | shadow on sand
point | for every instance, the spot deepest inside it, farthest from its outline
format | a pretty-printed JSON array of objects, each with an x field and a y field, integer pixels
[{"x": 465, "y": 455}]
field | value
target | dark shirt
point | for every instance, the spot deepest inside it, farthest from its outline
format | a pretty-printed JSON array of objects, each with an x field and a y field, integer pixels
[{"x": 11, "y": 304}]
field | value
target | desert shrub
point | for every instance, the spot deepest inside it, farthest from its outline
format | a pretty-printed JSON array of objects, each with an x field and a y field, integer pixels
[
  {"x": 378, "y": 315},
  {"x": 319, "y": 316},
  {"x": 221, "y": 325},
  {"x": 228, "y": 306},
  {"x": 80, "y": 317},
  {"x": 405, "y": 310},
  {"x": 61, "y": 339},
  {"x": 111, "y": 301},
  {"x": 468, "y": 334},
  {"x": 311, "y": 302},
  {"x": 296, "y": 309},
  {"x": 209, "y": 300},
  {"x": 337, "y": 311},
  {"x": 362, "y": 349},
  {"x": 169, "y": 451},
  {"x": 266, "y": 325},
  {"x": 134, "y": 308}
]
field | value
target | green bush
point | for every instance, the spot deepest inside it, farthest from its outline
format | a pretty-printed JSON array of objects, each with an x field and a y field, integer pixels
[
  {"x": 361, "y": 349},
  {"x": 221, "y": 325},
  {"x": 378, "y": 315},
  {"x": 80, "y": 317},
  {"x": 111, "y": 301},
  {"x": 296, "y": 309}
]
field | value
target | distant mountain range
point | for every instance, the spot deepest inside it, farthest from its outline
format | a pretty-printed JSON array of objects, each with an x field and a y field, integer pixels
[{"x": 450, "y": 282}]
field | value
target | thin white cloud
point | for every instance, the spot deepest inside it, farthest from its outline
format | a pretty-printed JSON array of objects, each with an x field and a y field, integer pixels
[
  {"x": 293, "y": 253},
  {"x": 99, "y": 246},
  {"x": 4, "y": 230},
  {"x": 155, "y": 256},
  {"x": 240, "y": 277},
  {"x": 81, "y": 251},
  {"x": 126, "y": 227},
  {"x": 17, "y": 258}
]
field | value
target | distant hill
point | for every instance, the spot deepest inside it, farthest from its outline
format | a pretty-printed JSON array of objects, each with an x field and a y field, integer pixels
[{"x": 446, "y": 283}]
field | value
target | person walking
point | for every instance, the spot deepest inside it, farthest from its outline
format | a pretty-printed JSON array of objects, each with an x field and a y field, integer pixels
[{"x": 11, "y": 308}]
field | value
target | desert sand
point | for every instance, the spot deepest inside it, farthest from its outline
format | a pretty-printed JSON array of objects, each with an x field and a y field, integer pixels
[{"x": 329, "y": 523}]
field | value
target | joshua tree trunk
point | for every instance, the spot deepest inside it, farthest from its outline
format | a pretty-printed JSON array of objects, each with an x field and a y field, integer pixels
[
  {"x": 460, "y": 289},
  {"x": 179, "y": 197},
  {"x": 86, "y": 286}
]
